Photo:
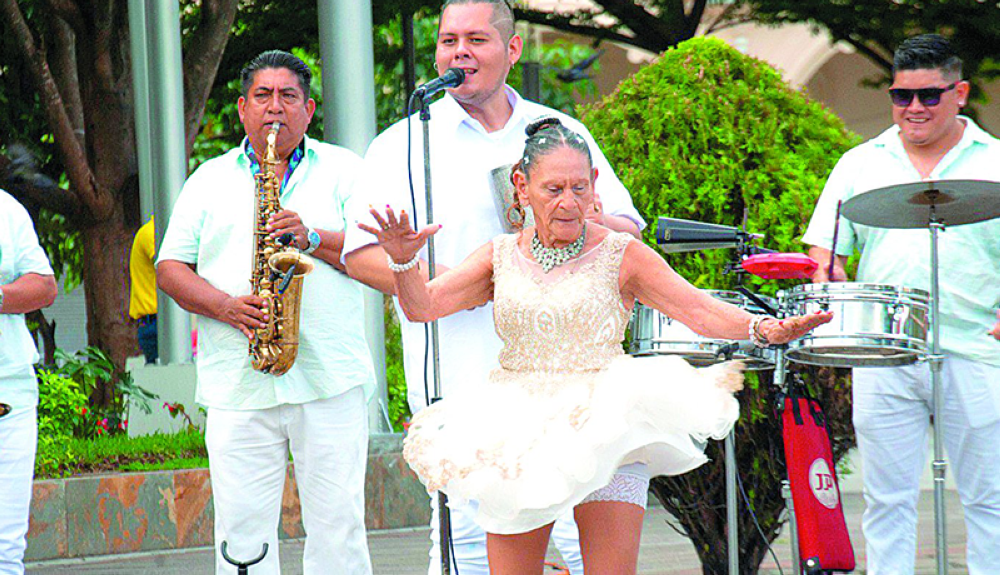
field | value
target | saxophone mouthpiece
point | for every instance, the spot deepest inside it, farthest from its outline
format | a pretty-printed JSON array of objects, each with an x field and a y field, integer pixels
[
  {"x": 272, "y": 140},
  {"x": 273, "y": 133}
]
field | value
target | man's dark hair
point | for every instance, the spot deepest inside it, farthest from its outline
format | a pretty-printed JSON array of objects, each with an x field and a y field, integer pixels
[
  {"x": 927, "y": 52},
  {"x": 503, "y": 14},
  {"x": 276, "y": 59}
]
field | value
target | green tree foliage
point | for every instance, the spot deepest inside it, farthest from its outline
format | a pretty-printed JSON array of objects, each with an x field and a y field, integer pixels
[
  {"x": 707, "y": 134},
  {"x": 873, "y": 27},
  {"x": 66, "y": 98},
  {"x": 653, "y": 25},
  {"x": 876, "y": 27}
]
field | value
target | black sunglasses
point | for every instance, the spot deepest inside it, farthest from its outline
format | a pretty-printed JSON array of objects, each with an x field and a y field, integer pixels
[{"x": 928, "y": 96}]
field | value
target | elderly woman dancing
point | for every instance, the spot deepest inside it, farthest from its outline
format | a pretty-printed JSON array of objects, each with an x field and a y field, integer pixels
[{"x": 567, "y": 421}]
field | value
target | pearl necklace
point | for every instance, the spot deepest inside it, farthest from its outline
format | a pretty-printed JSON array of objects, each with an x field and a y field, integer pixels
[{"x": 549, "y": 258}]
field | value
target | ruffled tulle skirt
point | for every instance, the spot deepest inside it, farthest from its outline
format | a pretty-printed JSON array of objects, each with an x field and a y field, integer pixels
[{"x": 529, "y": 446}]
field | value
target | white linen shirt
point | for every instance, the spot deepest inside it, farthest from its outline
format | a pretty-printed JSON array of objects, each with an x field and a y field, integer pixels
[
  {"x": 462, "y": 155},
  {"x": 20, "y": 254},
  {"x": 969, "y": 255},
  {"x": 212, "y": 226}
]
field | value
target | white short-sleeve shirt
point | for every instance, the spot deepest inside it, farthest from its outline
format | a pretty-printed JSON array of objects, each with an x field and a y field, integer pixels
[
  {"x": 20, "y": 253},
  {"x": 462, "y": 155},
  {"x": 212, "y": 226},
  {"x": 969, "y": 261}
]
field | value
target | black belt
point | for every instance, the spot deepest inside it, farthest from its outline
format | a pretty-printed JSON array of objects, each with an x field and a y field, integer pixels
[{"x": 147, "y": 319}]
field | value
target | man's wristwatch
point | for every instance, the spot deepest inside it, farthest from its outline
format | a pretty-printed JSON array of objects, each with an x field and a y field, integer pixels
[{"x": 314, "y": 241}]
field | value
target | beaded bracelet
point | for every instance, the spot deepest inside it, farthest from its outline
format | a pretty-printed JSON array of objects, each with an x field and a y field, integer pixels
[
  {"x": 756, "y": 337},
  {"x": 400, "y": 268}
]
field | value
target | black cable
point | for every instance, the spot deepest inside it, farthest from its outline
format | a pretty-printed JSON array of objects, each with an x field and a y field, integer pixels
[
  {"x": 413, "y": 204},
  {"x": 746, "y": 500}
]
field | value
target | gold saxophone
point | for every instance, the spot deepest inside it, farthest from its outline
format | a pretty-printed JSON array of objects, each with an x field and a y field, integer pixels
[{"x": 278, "y": 270}]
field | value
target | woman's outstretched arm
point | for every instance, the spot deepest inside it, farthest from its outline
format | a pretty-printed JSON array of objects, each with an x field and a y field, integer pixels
[
  {"x": 647, "y": 277},
  {"x": 466, "y": 286}
]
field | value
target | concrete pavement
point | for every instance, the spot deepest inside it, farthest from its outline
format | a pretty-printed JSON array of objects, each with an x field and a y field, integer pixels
[{"x": 404, "y": 551}]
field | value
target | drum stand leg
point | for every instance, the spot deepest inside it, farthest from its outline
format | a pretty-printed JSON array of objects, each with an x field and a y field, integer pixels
[
  {"x": 780, "y": 370},
  {"x": 793, "y": 527},
  {"x": 732, "y": 521},
  {"x": 936, "y": 358}
]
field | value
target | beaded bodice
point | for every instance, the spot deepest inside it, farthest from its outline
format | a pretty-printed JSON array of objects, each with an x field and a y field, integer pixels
[{"x": 568, "y": 320}]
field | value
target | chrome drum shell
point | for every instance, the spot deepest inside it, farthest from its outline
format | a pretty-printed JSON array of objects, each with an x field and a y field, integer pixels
[
  {"x": 653, "y": 333},
  {"x": 874, "y": 325}
]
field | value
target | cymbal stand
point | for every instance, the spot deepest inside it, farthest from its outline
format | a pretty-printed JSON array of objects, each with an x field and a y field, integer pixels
[{"x": 936, "y": 358}]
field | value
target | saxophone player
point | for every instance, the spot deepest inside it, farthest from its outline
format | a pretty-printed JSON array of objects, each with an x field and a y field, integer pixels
[{"x": 317, "y": 410}]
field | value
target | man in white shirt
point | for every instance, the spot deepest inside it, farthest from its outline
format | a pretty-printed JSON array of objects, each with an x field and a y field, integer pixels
[
  {"x": 475, "y": 128},
  {"x": 27, "y": 283},
  {"x": 892, "y": 405},
  {"x": 317, "y": 409}
]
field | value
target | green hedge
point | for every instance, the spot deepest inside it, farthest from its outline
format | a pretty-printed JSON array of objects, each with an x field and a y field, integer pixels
[{"x": 706, "y": 132}]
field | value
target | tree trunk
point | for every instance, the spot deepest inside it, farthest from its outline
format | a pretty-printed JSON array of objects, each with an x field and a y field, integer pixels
[
  {"x": 47, "y": 331},
  {"x": 105, "y": 280}
]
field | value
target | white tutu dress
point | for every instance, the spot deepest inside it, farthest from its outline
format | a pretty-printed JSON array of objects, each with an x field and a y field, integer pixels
[{"x": 567, "y": 407}]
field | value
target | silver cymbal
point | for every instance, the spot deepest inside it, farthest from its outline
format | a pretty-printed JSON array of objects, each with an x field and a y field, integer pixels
[{"x": 951, "y": 202}]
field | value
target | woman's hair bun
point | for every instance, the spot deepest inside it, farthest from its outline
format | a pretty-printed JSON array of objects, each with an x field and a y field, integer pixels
[{"x": 541, "y": 124}]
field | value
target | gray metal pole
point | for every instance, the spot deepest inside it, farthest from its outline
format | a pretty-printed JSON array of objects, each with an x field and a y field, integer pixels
[
  {"x": 345, "y": 45},
  {"x": 732, "y": 505},
  {"x": 936, "y": 358},
  {"x": 345, "y": 34},
  {"x": 140, "y": 90},
  {"x": 166, "y": 97},
  {"x": 786, "y": 484}
]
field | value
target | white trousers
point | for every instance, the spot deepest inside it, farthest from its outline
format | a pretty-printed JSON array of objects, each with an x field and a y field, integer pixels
[
  {"x": 18, "y": 439},
  {"x": 469, "y": 541},
  {"x": 892, "y": 408},
  {"x": 248, "y": 455}
]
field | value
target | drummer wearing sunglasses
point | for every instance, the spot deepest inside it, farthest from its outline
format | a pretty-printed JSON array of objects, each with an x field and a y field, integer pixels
[{"x": 892, "y": 405}]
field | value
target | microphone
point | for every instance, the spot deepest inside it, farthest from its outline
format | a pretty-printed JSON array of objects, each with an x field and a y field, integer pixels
[{"x": 452, "y": 78}]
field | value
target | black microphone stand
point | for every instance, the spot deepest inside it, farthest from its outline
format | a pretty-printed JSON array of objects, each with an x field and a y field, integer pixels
[{"x": 444, "y": 515}]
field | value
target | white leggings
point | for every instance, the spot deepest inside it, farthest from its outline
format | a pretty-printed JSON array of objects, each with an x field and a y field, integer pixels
[{"x": 629, "y": 484}]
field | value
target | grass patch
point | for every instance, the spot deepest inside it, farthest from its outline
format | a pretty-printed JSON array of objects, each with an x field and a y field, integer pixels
[
  {"x": 116, "y": 453},
  {"x": 186, "y": 463}
]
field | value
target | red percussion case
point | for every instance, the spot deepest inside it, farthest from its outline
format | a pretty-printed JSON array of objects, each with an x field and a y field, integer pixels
[{"x": 824, "y": 544}]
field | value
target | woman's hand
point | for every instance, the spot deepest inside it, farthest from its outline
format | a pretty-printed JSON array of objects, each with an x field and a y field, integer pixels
[
  {"x": 596, "y": 212},
  {"x": 785, "y": 330},
  {"x": 395, "y": 235}
]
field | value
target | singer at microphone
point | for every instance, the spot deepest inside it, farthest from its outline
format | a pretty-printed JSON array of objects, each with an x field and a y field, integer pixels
[
  {"x": 474, "y": 129},
  {"x": 452, "y": 78}
]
